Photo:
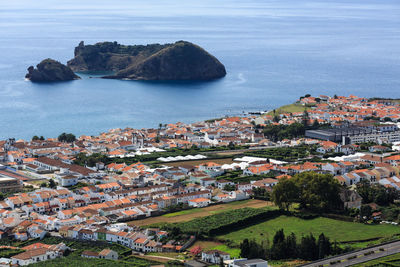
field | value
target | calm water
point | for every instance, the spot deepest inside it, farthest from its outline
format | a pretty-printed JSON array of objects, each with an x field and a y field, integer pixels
[{"x": 274, "y": 52}]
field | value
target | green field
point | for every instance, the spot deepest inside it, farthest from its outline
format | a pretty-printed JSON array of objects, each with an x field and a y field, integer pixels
[
  {"x": 392, "y": 260},
  {"x": 288, "y": 109},
  {"x": 334, "y": 229}
]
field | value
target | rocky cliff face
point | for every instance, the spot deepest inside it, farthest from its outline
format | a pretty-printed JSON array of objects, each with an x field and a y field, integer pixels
[
  {"x": 50, "y": 70},
  {"x": 179, "y": 61}
]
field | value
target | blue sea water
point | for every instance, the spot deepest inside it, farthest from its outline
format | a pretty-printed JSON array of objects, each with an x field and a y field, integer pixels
[{"x": 274, "y": 51}]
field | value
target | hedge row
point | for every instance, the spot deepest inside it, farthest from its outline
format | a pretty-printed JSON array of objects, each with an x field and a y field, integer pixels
[{"x": 224, "y": 222}]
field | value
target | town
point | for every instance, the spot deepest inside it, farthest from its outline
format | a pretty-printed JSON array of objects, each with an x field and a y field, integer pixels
[{"x": 116, "y": 191}]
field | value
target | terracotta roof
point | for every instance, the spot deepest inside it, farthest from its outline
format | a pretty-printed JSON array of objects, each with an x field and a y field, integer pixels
[{"x": 30, "y": 254}]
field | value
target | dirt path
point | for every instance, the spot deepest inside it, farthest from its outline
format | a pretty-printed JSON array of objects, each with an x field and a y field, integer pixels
[
  {"x": 157, "y": 258},
  {"x": 254, "y": 203}
]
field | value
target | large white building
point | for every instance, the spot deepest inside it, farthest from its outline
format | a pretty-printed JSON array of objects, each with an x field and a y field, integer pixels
[
  {"x": 378, "y": 137},
  {"x": 33, "y": 256},
  {"x": 215, "y": 256}
]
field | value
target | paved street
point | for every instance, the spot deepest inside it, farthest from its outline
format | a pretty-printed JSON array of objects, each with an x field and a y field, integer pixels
[{"x": 359, "y": 256}]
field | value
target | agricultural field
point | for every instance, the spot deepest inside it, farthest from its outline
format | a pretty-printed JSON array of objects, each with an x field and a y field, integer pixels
[
  {"x": 334, "y": 229},
  {"x": 392, "y": 260},
  {"x": 187, "y": 215},
  {"x": 78, "y": 261},
  {"x": 288, "y": 154},
  {"x": 198, "y": 162},
  {"x": 224, "y": 221}
]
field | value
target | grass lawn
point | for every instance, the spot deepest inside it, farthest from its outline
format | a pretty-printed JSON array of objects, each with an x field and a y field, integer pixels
[
  {"x": 288, "y": 109},
  {"x": 234, "y": 252},
  {"x": 392, "y": 260},
  {"x": 334, "y": 229}
]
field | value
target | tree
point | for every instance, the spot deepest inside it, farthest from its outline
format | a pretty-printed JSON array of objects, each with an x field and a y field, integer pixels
[
  {"x": 279, "y": 132},
  {"x": 324, "y": 246},
  {"x": 229, "y": 187},
  {"x": 231, "y": 145},
  {"x": 67, "y": 138},
  {"x": 387, "y": 119},
  {"x": 291, "y": 246},
  {"x": 261, "y": 193},
  {"x": 176, "y": 231},
  {"x": 44, "y": 184},
  {"x": 308, "y": 248},
  {"x": 52, "y": 184},
  {"x": 365, "y": 191},
  {"x": 245, "y": 248},
  {"x": 91, "y": 160},
  {"x": 288, "y": 248},
  {"x": 305, "y": 118},
  {"x": 376, "y": 193},
  {"x": 278, "y": 249},
  {"x": 35, "y": 138},
  {"x": 251, "y": 249},
  {"x": 365, "y": 211},
  {"x": 315, "y": 124},
  {"x": 41, "y": 138},
  {"x": 318, "y": 192},
  {"x": 285, "y": 193}
]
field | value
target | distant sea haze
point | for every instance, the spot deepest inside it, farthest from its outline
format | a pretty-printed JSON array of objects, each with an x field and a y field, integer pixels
[{"x": 274, "y": 52}]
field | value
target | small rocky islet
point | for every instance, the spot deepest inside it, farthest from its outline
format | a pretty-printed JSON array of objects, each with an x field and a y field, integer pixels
[
  {"x": 50, "y": 70},
  {"x": 154, "y": 62}
]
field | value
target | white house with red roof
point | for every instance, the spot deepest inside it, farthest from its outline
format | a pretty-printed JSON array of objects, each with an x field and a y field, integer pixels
[{"x": 199, "y": 202}]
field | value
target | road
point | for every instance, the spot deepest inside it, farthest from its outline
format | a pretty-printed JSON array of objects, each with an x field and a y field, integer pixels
[{"x": 358, "y": 256}]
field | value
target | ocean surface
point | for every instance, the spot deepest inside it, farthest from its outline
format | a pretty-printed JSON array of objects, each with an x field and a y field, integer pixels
[{"x": 274, "y": 51}]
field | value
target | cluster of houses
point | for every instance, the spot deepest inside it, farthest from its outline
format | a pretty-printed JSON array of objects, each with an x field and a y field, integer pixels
[
  {"x": 339, "y": 109},
  {"x": 120, "y": 192},
  {"x": 130, "y": 142},
  {"x": 148, "y": 240},
  {"x": 375, "y": 169},
  {"x": 90, "y": 202}
]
